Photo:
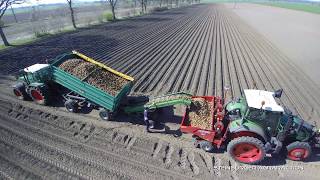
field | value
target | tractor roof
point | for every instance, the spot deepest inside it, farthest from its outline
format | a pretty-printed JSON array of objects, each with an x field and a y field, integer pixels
[
  {"x": 35, "y": 67},
  {"x": 255, "y": 97}
]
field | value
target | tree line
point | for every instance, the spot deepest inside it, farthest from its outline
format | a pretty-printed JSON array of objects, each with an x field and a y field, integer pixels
[{"x": 5, "y": 4}]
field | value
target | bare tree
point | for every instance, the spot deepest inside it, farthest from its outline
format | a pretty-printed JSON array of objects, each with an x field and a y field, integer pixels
[
  {"x": 113, "y": 4},
  {"x": 72, "y": 13},
  {"x": 4, "y": 4},
  {"x": 143, "y": 4},
  {"x": 14, "y": 14}
]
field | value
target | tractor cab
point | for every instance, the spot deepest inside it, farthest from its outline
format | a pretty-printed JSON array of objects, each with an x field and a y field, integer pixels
[
  {"x": 263, "y": 110},
  {"x": 254, "y": 105},
  {"x": 256, "y": 111},
  {"x": 34, "y": 73}
]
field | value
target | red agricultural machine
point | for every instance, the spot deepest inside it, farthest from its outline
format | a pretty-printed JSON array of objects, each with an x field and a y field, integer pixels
[
  {"x": 252, "y": 126},
  {"x": 249, "y": 127}
]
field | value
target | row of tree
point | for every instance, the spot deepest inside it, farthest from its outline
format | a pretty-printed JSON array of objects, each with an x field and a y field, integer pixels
[{"x": 5, "y": 4}]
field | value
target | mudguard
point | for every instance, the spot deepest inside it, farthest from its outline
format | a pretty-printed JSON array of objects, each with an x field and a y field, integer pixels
[
  {"x": 237, "y": 126},
  {"x": 36, "y": 84}
]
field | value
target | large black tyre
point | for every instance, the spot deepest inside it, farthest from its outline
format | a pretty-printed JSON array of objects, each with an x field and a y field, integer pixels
[
  {"x": 39, "y": 95},
  {"x": 206, "y": 146},
  {"x": 247, "y": 150},
  {"x": 105, "y": 115},
  {"x": 299, "y": 151},
  {"x": 71, "y": 105},
  {"x": 19, "y": 90}
]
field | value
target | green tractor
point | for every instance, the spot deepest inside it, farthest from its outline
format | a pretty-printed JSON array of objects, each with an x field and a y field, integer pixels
[
  {"x": 33, "y": 83},
  {"x": 258, "y": 125}
]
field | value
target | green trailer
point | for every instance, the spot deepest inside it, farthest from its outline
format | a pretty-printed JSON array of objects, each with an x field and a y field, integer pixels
[
  {"x": 91, "y": 93},
  {"x": 35, "y": 80}
]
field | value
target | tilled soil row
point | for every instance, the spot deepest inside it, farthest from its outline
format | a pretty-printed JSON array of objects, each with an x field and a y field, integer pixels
[
  {"x": 11, "y": 171},
  {"x": 199, "y": 49},
  {"x": 184, "y": 160},
  {"x": 31, "y": 167},
  {"x": 98, "y": 140}
]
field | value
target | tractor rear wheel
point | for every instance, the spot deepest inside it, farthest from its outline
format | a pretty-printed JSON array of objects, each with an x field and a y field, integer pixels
[
  {"x": 298, "y": 151},
  {"x": 39, "y": 95},
  {"x": 19, "y": 90},
  {"x": 247, "y": 150}
]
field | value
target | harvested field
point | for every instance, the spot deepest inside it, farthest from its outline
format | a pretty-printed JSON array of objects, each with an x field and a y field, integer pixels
[
  {"x": 199, "y": 49},
  {"x": 295, "y": 33},
  {"x": 200, "y": 114},
  {"x": 94, "y": 75}
]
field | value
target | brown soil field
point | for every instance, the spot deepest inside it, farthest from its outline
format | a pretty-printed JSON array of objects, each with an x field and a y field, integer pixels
[
  {"x": 295, "y": 33},
  {"x": 199, "y": 49}
]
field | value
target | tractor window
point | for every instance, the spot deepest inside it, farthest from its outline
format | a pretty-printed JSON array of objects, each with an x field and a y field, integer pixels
[
  {"x": 273, "y": 116},
  {"x": 255, "y": 114},
  {"x": 272, "y": 120}
]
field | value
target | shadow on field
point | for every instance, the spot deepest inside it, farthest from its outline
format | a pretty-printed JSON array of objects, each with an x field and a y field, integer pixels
[
  {"x": 280, "y": 159},
  {"x": 171, "y": 13},
  {"x": 151, "y": 19},
  {"x": 90, "y": 43},
  {"x": 118, "y": 27}
]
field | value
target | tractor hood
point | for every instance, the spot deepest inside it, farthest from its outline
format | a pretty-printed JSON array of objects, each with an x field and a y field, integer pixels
[
  {"x": 301, "y": 129},
  {"x": 238, "y": 104}
]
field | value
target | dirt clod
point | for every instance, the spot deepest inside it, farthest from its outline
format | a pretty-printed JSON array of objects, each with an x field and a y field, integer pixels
[{"x": 200, "y": 114}]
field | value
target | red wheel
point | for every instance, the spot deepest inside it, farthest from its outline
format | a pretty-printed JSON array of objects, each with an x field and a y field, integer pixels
[
  {"x": 20, "y": 92},
  {"x": 38, "y": 95},
  {"x": 298, "y": 151},
  {"x": 248, "y": 150},
  {"x": 17, "y": 93}
]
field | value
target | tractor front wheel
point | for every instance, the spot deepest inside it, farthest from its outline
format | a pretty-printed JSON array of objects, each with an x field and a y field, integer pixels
[
  {"x": 247, "y": 150},
  {"x": 19, "y": 91},
  {"x": 298, "y": 151},
  {"x": 39, "y": 95}
]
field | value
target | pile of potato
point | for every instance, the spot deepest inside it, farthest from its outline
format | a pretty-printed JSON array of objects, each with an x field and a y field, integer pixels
[
  {"x": 94, "y": 75},
  {"x": 200, "y": 114},
  {"x": 107, "y": 81}
]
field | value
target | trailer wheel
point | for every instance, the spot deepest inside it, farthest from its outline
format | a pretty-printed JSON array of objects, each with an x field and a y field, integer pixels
[
  {"x": 247, "y": 150},
  {"x": 206, "y": 146},
  {"x": 105, "y": 115},
  {"x": 298, "y": 151},
  {"x": 39, "y": 95},
  {"x": 71, "y": 105},
  {"x": 19, "y": 90}
]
